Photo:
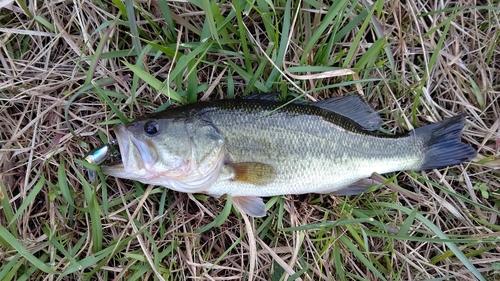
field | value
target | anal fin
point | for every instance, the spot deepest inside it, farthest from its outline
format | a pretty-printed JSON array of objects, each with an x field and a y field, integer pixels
[
  {"x": 356, "y": 188},
  {"x": 250, "y": 205}
]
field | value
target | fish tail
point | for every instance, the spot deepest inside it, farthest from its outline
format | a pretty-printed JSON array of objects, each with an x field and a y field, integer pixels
[{"x": 442, "y": 145}]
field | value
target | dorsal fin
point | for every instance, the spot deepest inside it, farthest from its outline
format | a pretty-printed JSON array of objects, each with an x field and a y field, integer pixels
[
  {"x": 354, "y": 108},
  {"x": 251, "y": 172}
]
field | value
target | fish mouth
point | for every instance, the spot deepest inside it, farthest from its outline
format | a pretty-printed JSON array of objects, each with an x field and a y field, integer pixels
[
  {"x": 113, "y": 168},
  {"x": 116, "y": 167},
  {"x": 136, "y": 157},
  {"x": 113, "y": 163}
]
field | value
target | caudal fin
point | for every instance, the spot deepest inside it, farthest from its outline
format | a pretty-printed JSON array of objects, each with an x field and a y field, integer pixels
[{"x": 442, "y": 145}]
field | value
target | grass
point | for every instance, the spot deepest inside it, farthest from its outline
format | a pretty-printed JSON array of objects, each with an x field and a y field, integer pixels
[{"x": 70, "y": 70}]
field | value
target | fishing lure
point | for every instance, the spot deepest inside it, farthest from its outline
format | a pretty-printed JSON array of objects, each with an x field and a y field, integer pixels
[{"x": 100, "y": 155}]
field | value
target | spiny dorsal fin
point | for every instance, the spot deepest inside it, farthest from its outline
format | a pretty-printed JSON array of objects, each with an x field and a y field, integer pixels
[
  {"x": 274, "y": 96},
  {"x": 252, "y": 172},
  {"x": 355, "y": 108}
]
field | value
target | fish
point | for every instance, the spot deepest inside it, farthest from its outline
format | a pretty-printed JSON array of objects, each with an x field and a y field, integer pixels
[{"x": 260, "y": 146}]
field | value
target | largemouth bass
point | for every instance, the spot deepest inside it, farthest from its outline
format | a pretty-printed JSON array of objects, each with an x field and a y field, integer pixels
[{"x": 260, "y": 147}]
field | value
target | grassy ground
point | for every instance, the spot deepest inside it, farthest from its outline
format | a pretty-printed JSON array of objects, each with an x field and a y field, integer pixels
[{"x": 71, "y": 69}]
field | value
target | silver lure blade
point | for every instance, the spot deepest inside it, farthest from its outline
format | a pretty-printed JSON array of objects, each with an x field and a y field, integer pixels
[{"x": 98, "y": 156}]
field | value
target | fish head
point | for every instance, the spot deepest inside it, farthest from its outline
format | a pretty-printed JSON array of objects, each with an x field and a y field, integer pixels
[{"x": 183, "y": 154}]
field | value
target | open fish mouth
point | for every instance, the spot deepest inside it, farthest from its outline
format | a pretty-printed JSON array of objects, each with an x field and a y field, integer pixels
[
  {"x": 115, "y": 157},
  {"x": 132, "y": 156},
  {"x": 113, "y": 163}
]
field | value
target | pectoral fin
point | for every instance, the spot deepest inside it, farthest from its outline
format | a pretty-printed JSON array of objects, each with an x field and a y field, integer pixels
[
  {"x": 252, "y": 206},
  {"x": 251, "y": 172},
  {"x": 356, "y": 188}
]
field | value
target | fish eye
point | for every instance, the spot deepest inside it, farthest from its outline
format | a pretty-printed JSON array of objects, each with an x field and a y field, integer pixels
[{"x": 151, "y": 128}]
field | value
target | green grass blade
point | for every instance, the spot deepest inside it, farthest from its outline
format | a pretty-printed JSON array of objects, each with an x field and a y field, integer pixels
[
  {"x": 338, "y": 260},
  {"x": 192, "y": 82},
  {"x": 104, "y": 193},
  {"x": 29, "y": 199},
  {"x": 12, "y": 241},
  {"x": 247, "y": 76},
  {"x": 63, "y": 183},
  {"x": 59, "y": 246},
  {"x": 136, "y": 42},
  {"x": 354, "y": 46},
  {"x": 209, "y": 8},
  {"x": 221, "y": 218},
  {"x": 352, "y": 24},
  {"x": 97, "y": 56},
  {"x": 89, "y": 261},
  {"x": 257, "y": 75},
  {"x": 167, "y": 16},
  {"x": 346, "y": 242},
  {"x": 285, "y": 31},
  {"x": 333, "y": 12},
  {"x": 167, "y": 50},
  {"x": 45, "y": 23},
  {"x": 433, "y": 239},
  {"x": 184, "y": 61},
  {"x": 230, "y": 86},
  {"x": 329, "y": 224},
  {"x": 242, "y": 33},
  {"x": 370, "y": 57},
  {"x": 25, "y": 8},
  {"x": 9, "y": 269},
  {"x": 405, "y": 228},
  {"x": 155, "y": 83},
  {"x": 454, "y": 194},
  {"x": 7, "y": 211},
  {"x": 101, "y": 82},
  {"x": 94, "y": 211},
  {"x": 31, "y": 269},
  {"x": 113, "y": 107},
  {"x": 435, "y": 229},
  {"x": 266, "y": 16}
]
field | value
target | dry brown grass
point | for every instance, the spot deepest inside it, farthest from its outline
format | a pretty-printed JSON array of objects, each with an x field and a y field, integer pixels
[{"x": 149, "y": 232}]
